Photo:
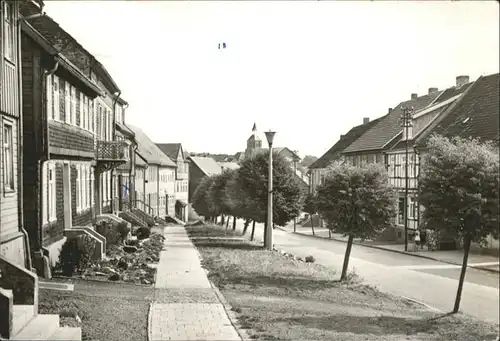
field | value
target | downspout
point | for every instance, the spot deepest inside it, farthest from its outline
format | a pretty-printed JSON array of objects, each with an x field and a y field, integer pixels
[{"x": 132, "y": 175}]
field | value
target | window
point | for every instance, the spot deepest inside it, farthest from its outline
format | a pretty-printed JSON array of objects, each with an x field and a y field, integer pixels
[
  {"x": 413, "y": 209},
  {"x": 85, "y": 184},
  {"x": 9, "y": 30},
  {"x": 49, "y": 95},
  {"x": 51, "y": 200},
  {"x": 79, "y": 188},
  {"x": 401, "y": 211},
  {"x": 8, "y": 157},
  {"x": 74, "y": 114},
  {"x": 81, "y": 112},
  {"x": 45, "y": 185},
  {"x": 67, "y": 102},
  {"x": 92, "y": 187},
  {"x": 55, "y": 100}
]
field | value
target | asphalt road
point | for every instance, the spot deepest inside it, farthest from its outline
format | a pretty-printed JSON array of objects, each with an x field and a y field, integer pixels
[{"x": 431, "y": 282}]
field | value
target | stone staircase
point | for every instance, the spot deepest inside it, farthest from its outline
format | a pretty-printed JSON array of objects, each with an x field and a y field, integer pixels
[{"x": 19, "y": 319}]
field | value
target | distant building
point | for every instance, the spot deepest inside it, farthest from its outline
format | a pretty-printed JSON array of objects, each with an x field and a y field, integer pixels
[{"x": 198, "y": 169}]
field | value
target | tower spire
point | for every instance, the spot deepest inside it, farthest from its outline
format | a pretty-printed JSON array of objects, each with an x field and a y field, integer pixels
[{"x": 254, "y": 129}]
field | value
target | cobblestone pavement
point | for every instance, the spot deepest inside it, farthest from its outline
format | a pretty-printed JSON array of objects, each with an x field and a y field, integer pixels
[{"x": 185, "y": 305}]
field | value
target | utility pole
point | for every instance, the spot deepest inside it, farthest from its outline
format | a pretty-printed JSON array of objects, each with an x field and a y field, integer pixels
[{"x": 406, "y": 123}]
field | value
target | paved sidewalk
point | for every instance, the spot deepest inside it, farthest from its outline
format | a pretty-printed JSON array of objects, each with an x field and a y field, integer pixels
[
  {"x": 185, "y": 307},
  {"x": 476, "y": 260}
]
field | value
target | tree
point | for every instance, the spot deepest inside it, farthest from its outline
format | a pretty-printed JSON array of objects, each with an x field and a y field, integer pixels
[
  {"x": 219, "y": 201},
  {"x": 458, "y": 188},
  {"x": 357, "y": 202},
  {"x": 253, "y": 183},
  {"x": 202, "y": 201},
  {"x": 311, "y": 207},
  {"x": 308, "y": 160}
]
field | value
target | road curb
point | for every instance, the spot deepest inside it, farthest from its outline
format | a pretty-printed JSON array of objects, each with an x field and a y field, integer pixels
[{"x": 400, "y": 252}]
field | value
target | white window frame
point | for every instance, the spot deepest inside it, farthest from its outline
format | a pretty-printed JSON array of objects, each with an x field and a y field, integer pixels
[
  {"x": 56, "y": 104},
  {"x": 78, "y": 186},
  {"x": 45, "y": 194},
  {"x": 8, "y": 38},
  {"x": 52, "y": 193},
  {"x": 92, "y": 194},
  {"x": 8, "y": 156},
  {"x": 49, "y": 97}
]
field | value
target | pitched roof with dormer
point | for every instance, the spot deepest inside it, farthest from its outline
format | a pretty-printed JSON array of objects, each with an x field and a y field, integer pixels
[{"x": 475, "y": 115}]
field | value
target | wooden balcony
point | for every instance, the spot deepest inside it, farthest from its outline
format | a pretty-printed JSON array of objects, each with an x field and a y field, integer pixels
[{"x": 111, "y": 154}]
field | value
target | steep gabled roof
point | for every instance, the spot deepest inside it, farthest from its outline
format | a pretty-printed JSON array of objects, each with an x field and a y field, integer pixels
[
  {"x": 335, "y": 152},
  {"x": 170, "y": 149},
  {"x": 63, "y": 61},
  {"x": 149, "y": 151},
  {"x": 206, "y": 164},
  {"x": 475, "y": 115},
  {"x": 388, "y": 127},
  {"x": 229, "y": 165}
]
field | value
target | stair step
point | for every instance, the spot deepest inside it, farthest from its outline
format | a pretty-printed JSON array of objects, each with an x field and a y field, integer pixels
[
  {"x": 21, "y": 315},
  {"x": 67, "y": 333},
  {"x": 39, "y": 328}
]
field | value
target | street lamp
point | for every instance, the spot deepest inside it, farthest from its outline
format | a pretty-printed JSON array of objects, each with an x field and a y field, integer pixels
[
  {"x": 268, "y": 240},
  {"x": 406, "y": 120}
]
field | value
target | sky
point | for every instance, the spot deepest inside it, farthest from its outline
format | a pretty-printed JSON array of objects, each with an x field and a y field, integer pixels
[{"x": 309, "y": 70}]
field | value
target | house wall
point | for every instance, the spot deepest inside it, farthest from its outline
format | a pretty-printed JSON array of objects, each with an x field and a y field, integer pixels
[
  {"x": 11, "y": 239},
  {"x": 362, "y": 159},
  {"x": 315, "y": 178},
  {"x": 166, "y": 190},
  {"x": 151, "y": 188}
]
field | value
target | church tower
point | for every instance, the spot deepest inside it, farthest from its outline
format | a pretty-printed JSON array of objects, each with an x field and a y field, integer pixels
[{"x": 254, "y": 143}]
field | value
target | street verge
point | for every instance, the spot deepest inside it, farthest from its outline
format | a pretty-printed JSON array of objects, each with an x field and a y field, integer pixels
[{"x": 278, "y": 297}]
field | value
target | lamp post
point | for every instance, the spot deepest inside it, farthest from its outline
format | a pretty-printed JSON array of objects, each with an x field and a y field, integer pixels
[
  {"x": 268, "y": 240},
  {"x": 406, "y": 123}
]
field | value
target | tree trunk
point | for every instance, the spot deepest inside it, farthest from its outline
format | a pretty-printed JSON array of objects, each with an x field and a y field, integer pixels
[
  {"x": 346, "y": 257},
  {"x": 234, "y": 223},
  {"x": 222, "y": 219},
  {"x": 329, "y": 234},
  {"x": 253, "y": 230},
  {"x": 227, "y": 222},
  {"x": 467, "y": 242},
  {"x": 312, "y": 223},
  {"x": 245, "y": 227}
]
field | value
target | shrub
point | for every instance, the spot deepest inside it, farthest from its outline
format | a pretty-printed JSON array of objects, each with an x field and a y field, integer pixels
[
  {"x": 109, "y": 231},
  {"x": 143, "y": 232},
  {"x": 76, "y": 254},
  {"x": 123, "y": 230}
]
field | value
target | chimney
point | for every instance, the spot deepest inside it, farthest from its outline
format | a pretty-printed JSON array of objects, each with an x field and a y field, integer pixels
[
  {"x": 388, "y": 111},
  {"x": 366, "y": 120},
  {"x": 414, "y": 96},
  {"x": 462, "y": 80},
  {"x": 433, "y": 90}
]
